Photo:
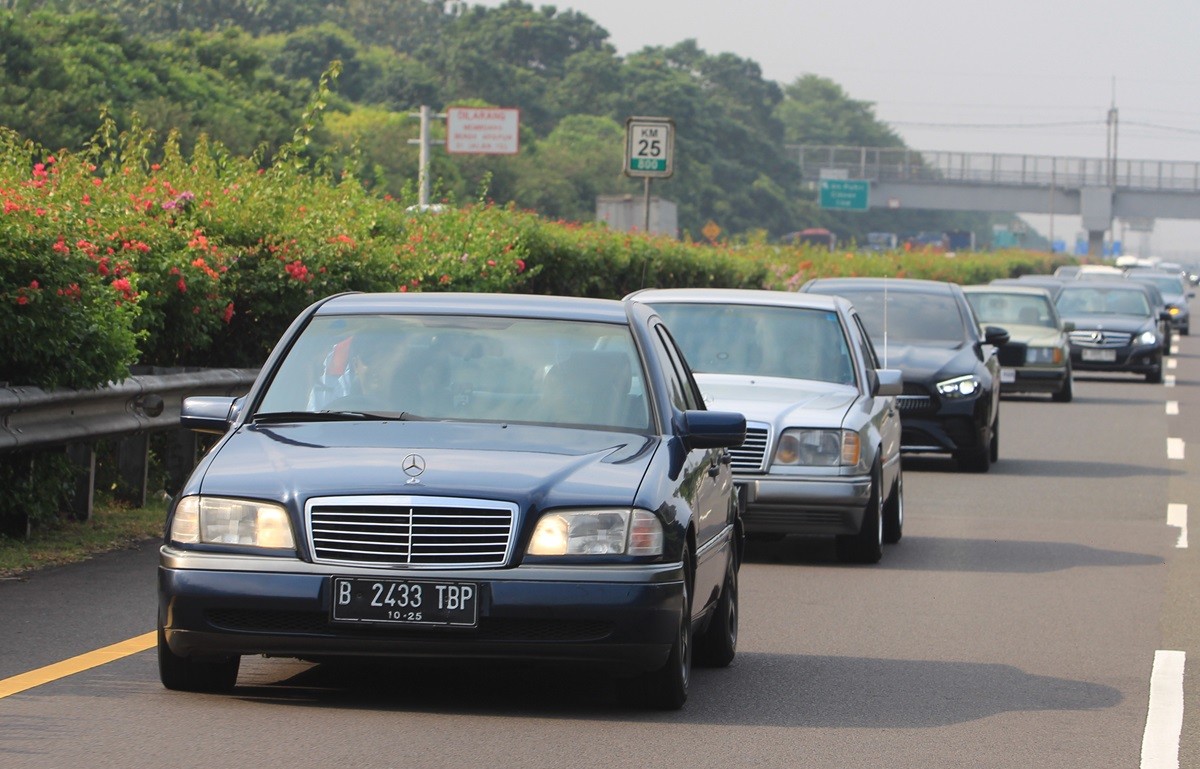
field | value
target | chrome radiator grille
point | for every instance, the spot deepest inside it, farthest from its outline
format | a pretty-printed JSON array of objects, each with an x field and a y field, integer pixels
[
  {"x": 424, "y": 532},
  {"x": 1100, "y": 338},
  {"x": 750, "y": 455}
]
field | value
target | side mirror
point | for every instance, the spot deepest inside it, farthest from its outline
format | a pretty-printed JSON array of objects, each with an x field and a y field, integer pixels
[
  {"x": 1068, "y": 326},
  {"x": 995, "y": 336},
  {"x": 209, "y": 413},
  {"x": 1191, "y": 295},
  {"x": 713, "y": 429},
  {"x": 1164, "y": 315},
  {"x": 888, "y": 381}
]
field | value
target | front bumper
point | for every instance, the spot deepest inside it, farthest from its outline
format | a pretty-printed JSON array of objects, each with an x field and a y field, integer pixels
[
  {"x": 930, "y": 425},
  {"x": 1033, "y": 379},
  {"x": 621, "y": 617},
  {"x": 1138, "y": 359},
  {"x": 778, "y": 505}
]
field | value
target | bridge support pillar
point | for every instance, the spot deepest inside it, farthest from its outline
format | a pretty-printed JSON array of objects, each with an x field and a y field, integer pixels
[{"x": 1096, "y": 208}]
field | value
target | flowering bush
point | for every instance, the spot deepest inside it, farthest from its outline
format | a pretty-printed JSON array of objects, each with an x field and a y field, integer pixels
[{"x": 108, "y": 260}]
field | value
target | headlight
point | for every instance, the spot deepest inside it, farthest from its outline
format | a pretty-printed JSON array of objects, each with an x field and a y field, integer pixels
[
  {"x": 218, "y": 521},
  {"x": 1148, "y": 337},
  {"x": 597, "y": 532},
  {"x": 959, "y": 386},
  {"x": 1173, "y": 309},
  {"x": 817, "y": 448},
  {"x": 1043, "y": 355}
]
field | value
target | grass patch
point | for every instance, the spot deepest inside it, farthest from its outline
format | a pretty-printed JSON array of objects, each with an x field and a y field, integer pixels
[{"x": 112, "y": 527}]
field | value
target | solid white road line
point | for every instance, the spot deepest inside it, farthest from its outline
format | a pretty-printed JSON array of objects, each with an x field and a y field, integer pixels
[
  {"x": 1160, "y": 741},
  {"x": 1175, "y": 448},
  {"x": 1172, "y": 408},
  {"x": 1177, "y": 516}
]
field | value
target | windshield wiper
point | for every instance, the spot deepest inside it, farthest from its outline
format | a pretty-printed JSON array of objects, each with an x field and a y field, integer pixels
[{"x": 274, "y": 417}]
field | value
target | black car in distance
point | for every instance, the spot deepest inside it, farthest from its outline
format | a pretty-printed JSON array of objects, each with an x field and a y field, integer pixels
[
  {"x": 460, "y": 476},
  {"x": 1117, "y": 327},
  {"x": 927, "y": 329}
]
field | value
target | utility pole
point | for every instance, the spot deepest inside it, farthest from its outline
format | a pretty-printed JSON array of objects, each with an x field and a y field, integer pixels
[{"x": 426, "y": 114}]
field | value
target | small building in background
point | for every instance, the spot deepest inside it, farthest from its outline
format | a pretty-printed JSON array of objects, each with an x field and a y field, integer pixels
[{"x": 627, "y": 213}]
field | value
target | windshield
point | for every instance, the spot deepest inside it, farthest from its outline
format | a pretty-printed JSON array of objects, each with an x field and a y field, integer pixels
[
  {"x": 1103, "y": 301},
  {"x": 912, "y": 318},
  {"x": 1169, "y": 285},
  {"x": 1003, "y": 308},
  {"x": 463, "y": 368},
  {"x": 758, "y": 340}
]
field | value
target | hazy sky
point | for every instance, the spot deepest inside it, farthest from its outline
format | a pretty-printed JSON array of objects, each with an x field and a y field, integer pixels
[{"x": 1020, "y": 76}]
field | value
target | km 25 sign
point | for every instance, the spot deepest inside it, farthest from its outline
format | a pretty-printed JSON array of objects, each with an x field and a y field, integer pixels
[{"x": 649, "y": 146}]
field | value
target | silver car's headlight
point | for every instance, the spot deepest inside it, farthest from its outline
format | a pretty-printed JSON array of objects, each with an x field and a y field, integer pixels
[
  {"x": 597, "y": 532},
  {"x": 817, "y": 448},
  {"x": 1043, "y": 355},
  {"x": 221, "y": 521},
  {"x": 959, "y": 387},
  {"x": 1148, "y": 337}
]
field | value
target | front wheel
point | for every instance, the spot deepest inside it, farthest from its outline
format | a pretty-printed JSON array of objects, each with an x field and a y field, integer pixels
[
  {"x": 717, "y": 645},
  {"x": 893, "y": 512},
  {"x": 867, "y": 545},
  {"x": 191, "y": 675},
  {"x": 1066, "y": 392},
  {"x": 667, "y": 687}
]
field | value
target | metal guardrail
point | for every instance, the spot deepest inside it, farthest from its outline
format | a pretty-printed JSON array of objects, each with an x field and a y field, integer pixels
[
  {"x": 124, "y": 414},
  {"x": 31, "y": 418},
  {"x": 906, "y": 165}
]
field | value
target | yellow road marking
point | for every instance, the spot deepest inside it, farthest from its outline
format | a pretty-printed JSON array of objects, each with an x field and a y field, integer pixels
[{"x": 92, "y": 659}]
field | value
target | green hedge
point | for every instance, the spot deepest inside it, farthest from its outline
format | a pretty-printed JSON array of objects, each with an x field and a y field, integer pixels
[{"x": 109, "y": 259}]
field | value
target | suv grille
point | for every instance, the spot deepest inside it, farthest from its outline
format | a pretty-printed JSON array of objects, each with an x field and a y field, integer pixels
[
  {"x": 748, "y": 457},
  {"x": 430, "y": 532},
  {"x": 1100, "y": 338}
]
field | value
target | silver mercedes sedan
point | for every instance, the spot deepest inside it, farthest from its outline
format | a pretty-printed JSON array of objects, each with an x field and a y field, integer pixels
[{"x": 822, "y": 450}]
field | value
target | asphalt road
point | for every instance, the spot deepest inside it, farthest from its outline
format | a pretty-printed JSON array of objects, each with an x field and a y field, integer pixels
[{"x": 1015, "y": 625}]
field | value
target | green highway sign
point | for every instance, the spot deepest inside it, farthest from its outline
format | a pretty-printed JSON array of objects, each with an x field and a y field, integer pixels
[{"x": 845, "y": 194}]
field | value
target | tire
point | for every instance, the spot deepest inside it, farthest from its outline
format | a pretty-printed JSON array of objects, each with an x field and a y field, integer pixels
[
  {"x": 893, "y": 512},
  {"x": 667, "y": 687},
  {"x": 994, "y": 443},
  {"x": 1067, "y": 392},
  {"x": 1155, "y": 376},
  {"x": 867, "y": 545},
  {"x": 717, "y": 645},
  {"x": 189, "y": 675},
  {"x": 977, "y": 461}
]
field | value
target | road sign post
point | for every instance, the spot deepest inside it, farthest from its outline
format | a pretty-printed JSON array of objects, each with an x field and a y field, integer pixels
[{"x": 649, "y": 151}]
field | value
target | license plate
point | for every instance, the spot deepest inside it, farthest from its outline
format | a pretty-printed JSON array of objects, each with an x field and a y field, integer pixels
[
  {"x": 405, "y": 601},
  {"x": 1101, "y": 356},
  {"x": 1008, "y": 375}
]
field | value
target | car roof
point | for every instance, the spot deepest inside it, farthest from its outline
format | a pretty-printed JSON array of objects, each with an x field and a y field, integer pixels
[
  {"x": 914, "y": 285},
  {"x": 740, "y": 296},
  {"x": 1006, "y": 288},
  {"x": 499, "y": 305}
]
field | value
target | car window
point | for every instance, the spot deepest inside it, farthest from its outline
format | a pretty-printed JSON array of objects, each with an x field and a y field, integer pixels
[
  {"x": 761, "y": 340},
  {"x": 1101, "y": 300},
  {"x": 682, "y": 395},
  {"x": 1002, "y": 308},
  {"x": 468, "y": 368},
  {"x": 910, "y": 317},
  {"x": 869, "y": 356}
]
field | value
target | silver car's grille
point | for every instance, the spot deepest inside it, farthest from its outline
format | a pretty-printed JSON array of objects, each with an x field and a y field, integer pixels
[
  {"x": 423, "y": 532},
  {"x": 750, "y": 455},
  {"x": 1100, "y": 338}
]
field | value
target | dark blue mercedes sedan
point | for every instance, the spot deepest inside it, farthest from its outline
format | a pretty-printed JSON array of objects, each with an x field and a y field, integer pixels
[{"x": 489, "y": 477}]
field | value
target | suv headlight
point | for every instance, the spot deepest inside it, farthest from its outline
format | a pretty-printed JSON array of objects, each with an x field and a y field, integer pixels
[
  {"x": 1148, "y": 337},
  {"x": 959, "y": 387},
  {"x": 804, "y": 447},
  {"x": 597, "y": 532},
  {"x": 220, "y": 521},
  {"x": 1043, "y": 355}
]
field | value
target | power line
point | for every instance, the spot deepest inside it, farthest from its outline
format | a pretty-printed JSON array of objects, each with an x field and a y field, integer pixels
[{"x": 991, "y": 126}]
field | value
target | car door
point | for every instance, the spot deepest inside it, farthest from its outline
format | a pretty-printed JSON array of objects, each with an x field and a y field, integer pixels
[
  {"x": 707, "y": 477},
  {"x": 884, "y": 413}
]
